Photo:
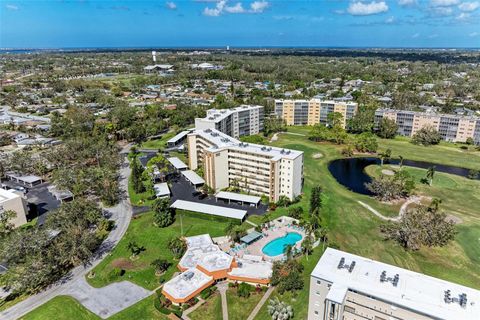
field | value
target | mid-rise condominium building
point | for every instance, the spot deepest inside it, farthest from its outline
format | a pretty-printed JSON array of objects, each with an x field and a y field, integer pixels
[
  {"x": 344, "y": 286},
  {"x": 313, "y": 111},
  {"x": 11, "y": 200},
  {"x": 451, "y": 127},
  {"x": 244, "y": 120},
  {"x": 257, "y": 169}
]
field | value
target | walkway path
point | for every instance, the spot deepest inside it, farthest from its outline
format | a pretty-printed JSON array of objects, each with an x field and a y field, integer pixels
[
  {"x": 222, "y": 288},
  {"x": 401, "y": 212},
  {"x": 259, "y": 306},
  {"x": 121, "y": 215},
  {"x": 275, "y": 135},
  {"x": 191, "y": 309}
]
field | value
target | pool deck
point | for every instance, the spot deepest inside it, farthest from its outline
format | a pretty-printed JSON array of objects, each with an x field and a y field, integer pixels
[{"x": 276, "y": 230}]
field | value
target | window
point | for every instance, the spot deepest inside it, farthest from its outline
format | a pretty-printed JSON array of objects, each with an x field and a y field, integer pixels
[
  {"x": 349, "y": 309},
  {"x": 319, "y": 282}
]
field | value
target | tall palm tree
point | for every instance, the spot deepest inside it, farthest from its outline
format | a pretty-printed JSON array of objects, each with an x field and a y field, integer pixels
[
  {"x": 288, "y": 251},
  {"x": 430, "y": 174},
  {"x": 401, "y": 162},
  {"x": 385, "y": 156}
]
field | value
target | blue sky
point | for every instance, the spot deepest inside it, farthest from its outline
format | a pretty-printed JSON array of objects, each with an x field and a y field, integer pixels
[{"x": 344, "y": 23}]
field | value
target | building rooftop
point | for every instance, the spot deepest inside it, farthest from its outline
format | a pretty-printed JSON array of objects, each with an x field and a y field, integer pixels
[
  {"x": 161, "y": 189},
  {"x": 238, "y": 197},
  {"x": 431, "y": 296},
  {"x": 187, "y": 283},
  {"x": 221, "y": 140},
  {"x": 193, "y": 177},
  {"x": 179, "y": 136},
  {"x": 215, "y": 115},
  {"x": 209, "y": 209},
  {"x": 209, "y": 257},
  {"x": 6, "y": 195},
  {"x": 252, "y": 269},
  {"x": 177, "y": 163}
]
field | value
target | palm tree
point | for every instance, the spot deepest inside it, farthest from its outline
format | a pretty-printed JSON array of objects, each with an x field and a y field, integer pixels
[
  {"x": 307, "y": 246},
  {"x": 400, "y": 164},
  {"x": 288, "y": 251},
  {"x": 279, "y": 310},
  {"x": 385, "y": 156},
  {"x": 430, "y": 174}
]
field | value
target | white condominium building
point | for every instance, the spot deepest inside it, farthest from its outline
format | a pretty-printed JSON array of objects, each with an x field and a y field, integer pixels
[
  {"x": 347, "y": 287},
  {"x": 451, "y": 127},
  {"x": 244, "y": 120},
  {"x": 10, "y": 200},
  {"x": 258, "y": 169},
  {"x": 313, "y": 111}
]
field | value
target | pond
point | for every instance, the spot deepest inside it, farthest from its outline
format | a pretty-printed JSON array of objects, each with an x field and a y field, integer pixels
[
  {"x": 277, "y": 246},
  {"x": 350, "y": 172}
]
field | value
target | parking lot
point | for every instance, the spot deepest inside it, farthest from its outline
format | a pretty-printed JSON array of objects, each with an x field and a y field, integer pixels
[{"x": 182, "y": 189}]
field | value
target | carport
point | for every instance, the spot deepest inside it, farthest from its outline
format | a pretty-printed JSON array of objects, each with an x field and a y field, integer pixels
[
  {"x": 177, "y": 163},
  {"x": 27, "y": 180},
  {"x": 193, "y": 178},
  {"x": 242, "y": 198},
  {"x": 209, "y": 209}
]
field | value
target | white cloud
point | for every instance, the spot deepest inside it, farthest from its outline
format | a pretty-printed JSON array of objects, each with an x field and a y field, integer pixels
[
  {"x": 463, "y": 16},
  {"x": 222, "y": 7},
  {"x": 215, "y": 12},
  {"x": 259, "y": 6},
  {"x": 474, "y": 34},
  {"x": 238, "y": 8},
  {"x": 433, "y": 36},
  {"x": 11, "y": 7},
  {"x": 444, "y": 3},
  {"x": 171, "y": 5},
  {"x": 442, "y": 11},
  {"x": 469, "y": 6},
  {"x": 364, "y": 9},
  {"x": 416, "y": 35},
  {"x": 406, "y": 3}
]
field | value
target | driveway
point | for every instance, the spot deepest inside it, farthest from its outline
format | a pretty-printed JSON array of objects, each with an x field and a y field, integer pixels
[{"x": 121, "y": 215}]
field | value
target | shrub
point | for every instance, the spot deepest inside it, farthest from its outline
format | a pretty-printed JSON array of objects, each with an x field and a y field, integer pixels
[
  {"x": 295, "y": 212},
  {"x": 366, "y": 142},
  {"x": 244, "y": 290},
  {"x": 160, "y": 265},
  {"x": 347, "y": 151},
  {"x": 207, "y": 292}
]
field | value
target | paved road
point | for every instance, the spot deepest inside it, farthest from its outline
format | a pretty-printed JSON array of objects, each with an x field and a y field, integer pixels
[{"x": 121, "y": 214}]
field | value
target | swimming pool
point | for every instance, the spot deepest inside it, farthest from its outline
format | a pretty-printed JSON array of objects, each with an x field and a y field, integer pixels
[{"x": 277, "y": 246}]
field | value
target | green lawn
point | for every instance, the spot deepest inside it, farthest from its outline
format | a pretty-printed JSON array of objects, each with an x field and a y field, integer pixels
[
  {"x": 239, "y": 308},
  {"x": 158, "y": 143},
  {"x": 139, "y": 199},
  {"x": 456, "y": 192},
  {"x": 154, "y": 239},
  {"x": 210, "y": 310},
  {"x": 61, "y": 308},
  {"x": 67, "y": 308}
]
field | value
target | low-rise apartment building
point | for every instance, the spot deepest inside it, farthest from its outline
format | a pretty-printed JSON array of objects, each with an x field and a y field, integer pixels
[
  {"x": 313, "y": 111},
  {"x": 344, "y": 286},
  {"x": 257, "y": 169},
  {"x": 244, "y": 120},
  {"x": 451, "y": 127},
  {"x": 10, "y": 200}
]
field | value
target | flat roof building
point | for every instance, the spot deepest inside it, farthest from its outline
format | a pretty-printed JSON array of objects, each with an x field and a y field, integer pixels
[
  {"x": 178, "y": 139},
  {"x": 254, "y": 168},
  {"x": 347, "y": 286},
  {"x": 10, "y": 200},
  {"x": 238, "y": 197},
  {"x": 451, "y": 127},
  {"x": 244, "y": 120},
  {"x": 204, "y": 263},
  {"x": 177, "y": 163},
  {"x": 161, "y": 190},
  {"x": 313, "y": 111},
  {"x": 193, "y": 177}
]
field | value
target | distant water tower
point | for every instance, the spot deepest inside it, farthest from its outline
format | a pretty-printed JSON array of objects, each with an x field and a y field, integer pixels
[
  {"x": 154, "y": 56},
  {"x": 228, "y": 48}
]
